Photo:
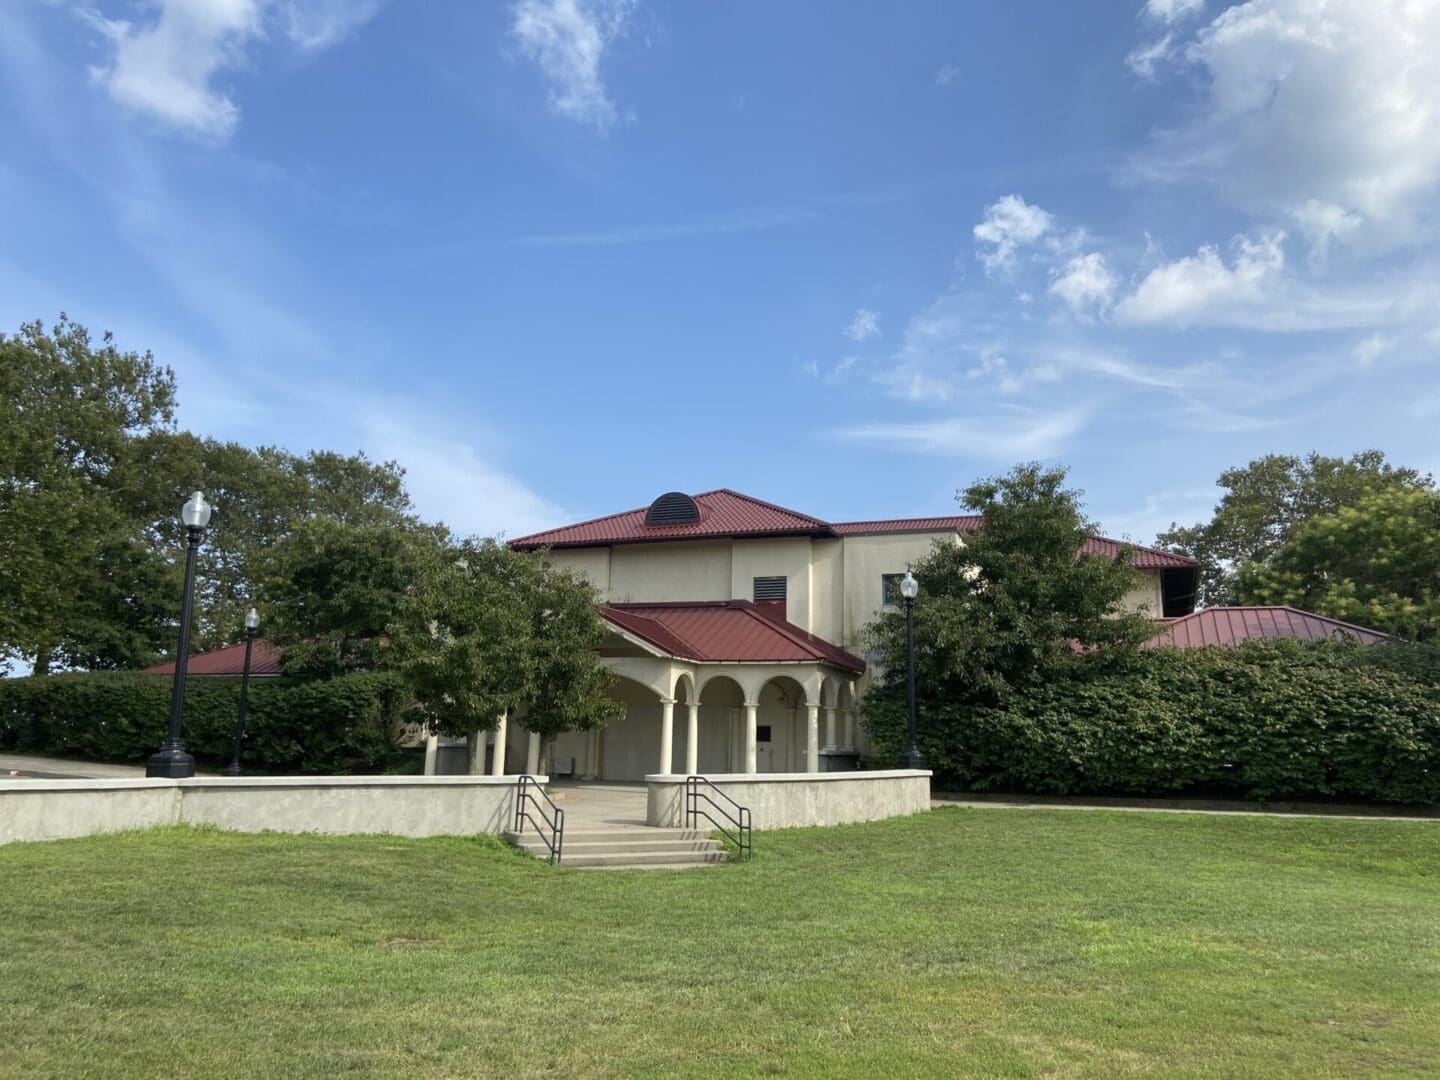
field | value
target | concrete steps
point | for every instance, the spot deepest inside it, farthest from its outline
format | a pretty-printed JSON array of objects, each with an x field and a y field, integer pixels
[{"x": 639, "y": 847}]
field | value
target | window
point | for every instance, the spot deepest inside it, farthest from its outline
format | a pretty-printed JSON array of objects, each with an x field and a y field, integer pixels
[
  {"x": 762, "y": 733},
  {"x": 769, "y": 588},
  {"x": 890, "y": 589}
]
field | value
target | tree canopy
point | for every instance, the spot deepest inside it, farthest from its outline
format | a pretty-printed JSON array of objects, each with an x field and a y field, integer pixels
[
  {"x": 488, "y": 631},
  {"x": 335, "y": 589},
  {"x": 1375, "y": 562},
  {"x": 1266, "y": 500},
  {"x": 997, "y": 614},
  {"x": 80, "y": 583},
  {"x": 92, "y": 475}
]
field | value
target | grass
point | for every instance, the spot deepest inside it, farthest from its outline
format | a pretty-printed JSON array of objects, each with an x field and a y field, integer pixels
[{"x": 956, "y": 943}]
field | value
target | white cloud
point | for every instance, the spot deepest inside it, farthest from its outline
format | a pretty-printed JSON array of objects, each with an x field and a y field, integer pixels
[
  {"x": 839, "y": 373},
  {"x": 567, "y": 40},
  {"x": 446, "y": 475},
  {"x": 1008, "y": 435},
  {"x": 319, "y": 24},
  {"x": 1323, "y": 223},
  {"x": 1370, "y": 349},
  {"x": 1009, "y": 224},
  {"x": 168, "y": 68},
  {"x": 1173, "y": 10},
  {"x": 864, "y": 326},
  {"x": 1199, "y": 286},
  {"x": 1143, "y": 59},
  {"x": 1325, "y": 111},
  {"x": 725, "y": 225},
  {"x": 946, "y": 75},
  {"x": 1085, "y": 283}
]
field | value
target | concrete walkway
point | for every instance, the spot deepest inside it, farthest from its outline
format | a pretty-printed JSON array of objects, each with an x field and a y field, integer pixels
[
  {"x": 1187, "y": 806},
  {"x": 599, "y": 805},
  {"x": 33, "y": 767}
]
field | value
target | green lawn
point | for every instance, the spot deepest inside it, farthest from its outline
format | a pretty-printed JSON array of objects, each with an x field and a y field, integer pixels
[{"x": 956, "y": 943}]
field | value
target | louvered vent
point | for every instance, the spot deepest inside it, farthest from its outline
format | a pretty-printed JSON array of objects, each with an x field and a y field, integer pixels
[
  {"x": 672, "y": 508},
  {"x": 769, "y": 588}
]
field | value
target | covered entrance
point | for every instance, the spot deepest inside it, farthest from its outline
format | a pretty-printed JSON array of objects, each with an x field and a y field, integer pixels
[{"x": 716, "y": 688}]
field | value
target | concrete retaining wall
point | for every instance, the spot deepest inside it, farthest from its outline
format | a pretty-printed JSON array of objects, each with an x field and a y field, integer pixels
[
  {"x": 782, "y": 800},
  {"x": 400, "y": 805}
]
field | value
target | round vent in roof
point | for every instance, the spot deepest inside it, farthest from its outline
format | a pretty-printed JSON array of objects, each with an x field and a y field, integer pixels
[{"x": 673, "y": 508}]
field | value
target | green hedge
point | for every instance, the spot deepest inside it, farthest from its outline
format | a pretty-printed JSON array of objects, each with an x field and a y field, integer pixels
[
  {"x": 1272, "y": 720},
  {"x": 339, "y": 725}
]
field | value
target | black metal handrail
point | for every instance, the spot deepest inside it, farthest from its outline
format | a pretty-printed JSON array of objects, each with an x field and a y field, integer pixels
[
  {"x": 525, "y": 799},
  {"x": 739, "y": 820}
]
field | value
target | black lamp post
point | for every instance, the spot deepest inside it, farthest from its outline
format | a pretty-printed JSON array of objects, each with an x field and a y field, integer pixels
[
  {"x": 252, "y": 621},
  {"x": 171, "y": 761},
  {"x": 909, "y": 589}
]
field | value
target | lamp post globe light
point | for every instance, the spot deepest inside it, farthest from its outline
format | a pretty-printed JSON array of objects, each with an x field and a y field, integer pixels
[
  {"x": 171, "y": 761},
  {"x": 911, "y": 758},
  {"x": 252, "y": 623}
]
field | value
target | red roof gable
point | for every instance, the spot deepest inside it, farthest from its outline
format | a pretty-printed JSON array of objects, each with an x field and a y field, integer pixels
[
  {"x": 1232, "y": 625},
  {"x": 726, "y": 631},
  {"x": 227, "y": 660},
  {"x": 723, "y": 513}
]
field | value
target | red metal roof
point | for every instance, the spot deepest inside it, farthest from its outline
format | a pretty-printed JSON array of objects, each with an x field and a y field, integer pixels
[
  {"x": 227, "y": 660},
  {"x": 1146, "y": 558},
  {"x": 964, "y": 522},
  {"x": 726, "y": 513},
  {"x": 1232, "y": 625},
  {"x": 726, "y": 631},
  {"x": 722, "y": 513}
]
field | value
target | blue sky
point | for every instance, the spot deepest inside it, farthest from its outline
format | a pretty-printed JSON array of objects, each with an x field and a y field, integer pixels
[{"x": 558, "y": 256}]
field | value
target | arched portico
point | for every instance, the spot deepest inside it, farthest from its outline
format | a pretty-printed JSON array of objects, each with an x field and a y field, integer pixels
[{"x": 685, "y": 715}]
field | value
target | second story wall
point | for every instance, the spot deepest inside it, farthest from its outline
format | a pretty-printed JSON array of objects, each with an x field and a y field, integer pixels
[
  {"x": 833, "y": 586},
  {"x": 866, "y": 559}
]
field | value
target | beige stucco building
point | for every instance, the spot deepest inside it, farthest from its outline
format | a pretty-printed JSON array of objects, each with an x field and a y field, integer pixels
[{"x": 735, "y": 628}]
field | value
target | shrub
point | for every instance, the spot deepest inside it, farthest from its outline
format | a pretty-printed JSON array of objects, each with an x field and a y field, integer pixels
[
  {"x": 344, "y": 724},
  {"x": 1265, "y": 720}
]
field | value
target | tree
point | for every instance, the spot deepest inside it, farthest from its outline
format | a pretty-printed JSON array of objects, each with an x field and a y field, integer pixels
[
  {"x": 489, "y": 631},
  {"x": 1267, "y": 499},
  {"x": 335, "y": 589},
  {"x": 567, "y": 681},
  {"x": 1376, "y": 563},
  {"x": 78, "y": 582},
  {"x": 998, "y": 614},
  {"x": 260, "y": 495}
]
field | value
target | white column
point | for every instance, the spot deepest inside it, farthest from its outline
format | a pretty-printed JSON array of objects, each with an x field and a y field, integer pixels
[
  {"x": 829, "y": 726},
  {"x": 812, "y": 738},
  {"x": 532, "y": 754},
  {"x": 752, "y": 717},
  {"x": 692, "y": 740},
  {"x": 592, "y": 757},
  {"x": 848, "y": 716},
  {"x": 497, "y": 765},
  {"x": 476, "y": 765},
  {"x": 432, "y": 753},
  {"x": 667, "y": 735}
]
